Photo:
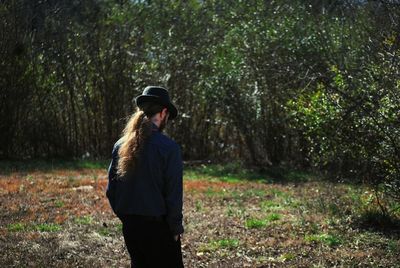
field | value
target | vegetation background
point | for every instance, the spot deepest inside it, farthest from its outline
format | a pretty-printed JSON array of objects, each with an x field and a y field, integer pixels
[{"x": 272, "y": 85}]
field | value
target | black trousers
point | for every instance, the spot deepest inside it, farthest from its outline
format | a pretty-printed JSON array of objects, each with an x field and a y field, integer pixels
[{"x": 150, "y": 243}]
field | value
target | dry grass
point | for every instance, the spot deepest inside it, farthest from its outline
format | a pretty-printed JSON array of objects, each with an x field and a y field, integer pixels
[{"x": 61, "y": 218}]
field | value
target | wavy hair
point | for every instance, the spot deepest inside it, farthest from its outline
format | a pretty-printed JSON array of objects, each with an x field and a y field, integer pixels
[{"x": 134, "y": 136}]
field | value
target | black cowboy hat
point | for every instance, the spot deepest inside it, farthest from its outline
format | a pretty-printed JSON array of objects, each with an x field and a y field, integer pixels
[{"x": 158, "y": 95}]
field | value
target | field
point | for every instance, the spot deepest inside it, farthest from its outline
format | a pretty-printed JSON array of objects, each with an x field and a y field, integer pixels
[{"x": 58, "y": 216}]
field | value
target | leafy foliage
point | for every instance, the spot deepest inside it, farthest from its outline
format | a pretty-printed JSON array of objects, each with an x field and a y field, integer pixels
[{"x": 307, "y": 84}]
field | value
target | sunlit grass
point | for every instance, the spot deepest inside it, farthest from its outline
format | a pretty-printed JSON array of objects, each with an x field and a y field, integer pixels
[
  {"x": 199, "y": 205},
  {"x": 104, "y": 231},
  {"x": 328, "y": 239},
  {"x": 268, "y": 204},
  {"x": 221, "y": 212},
  {"x": 59, "y": 203},
  {"x": 41, "y": 227},
  {"x": 213, "y": 192},
  {"x": 84, "y": 220},
  {"x": 255, "y": 223},
  {"x": 273, "y": 217},
  {"x": 234, "y": 211},
  {"x": 16, "y": 227},
  {"x": 47, "y": 227},
  {"x": 236, "y": 172},
  {"x": 225, "y": 243},
  {"x": 286, "y": 257}
]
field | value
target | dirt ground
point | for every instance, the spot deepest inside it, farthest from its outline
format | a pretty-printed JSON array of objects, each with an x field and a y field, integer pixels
[{"x": 61, "y": 218}]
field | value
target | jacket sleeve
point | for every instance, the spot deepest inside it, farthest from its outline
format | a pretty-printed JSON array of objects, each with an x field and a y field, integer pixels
[
  {"x": 110, "y": 191},
  {"x": 174, "y": 190}
]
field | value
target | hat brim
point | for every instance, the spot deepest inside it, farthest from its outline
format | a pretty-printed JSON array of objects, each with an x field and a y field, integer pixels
[{"x": 173, "y": 112}]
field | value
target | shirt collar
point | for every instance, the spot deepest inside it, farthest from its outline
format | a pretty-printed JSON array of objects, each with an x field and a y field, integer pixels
[{"x": 154, "y": 127}]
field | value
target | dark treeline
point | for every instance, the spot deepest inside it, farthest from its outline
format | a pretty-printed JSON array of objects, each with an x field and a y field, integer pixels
[{"x": 296, "y": 83}]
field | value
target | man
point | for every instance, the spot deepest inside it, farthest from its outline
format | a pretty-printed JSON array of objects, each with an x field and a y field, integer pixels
[{"x": 145, "y": 183}]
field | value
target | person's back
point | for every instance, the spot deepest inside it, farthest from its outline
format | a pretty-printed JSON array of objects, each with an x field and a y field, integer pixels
[{"x": 145, "y": 185}]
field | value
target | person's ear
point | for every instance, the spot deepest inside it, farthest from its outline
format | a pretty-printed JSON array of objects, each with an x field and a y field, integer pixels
[{"x": 161, "y": 113}]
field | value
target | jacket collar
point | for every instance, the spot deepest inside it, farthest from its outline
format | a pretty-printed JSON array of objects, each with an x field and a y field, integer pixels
[{"x": 154, "y": 127}]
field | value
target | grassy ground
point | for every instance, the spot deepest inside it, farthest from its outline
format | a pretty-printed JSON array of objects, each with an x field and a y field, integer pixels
[{"x": 56, "y": 215}]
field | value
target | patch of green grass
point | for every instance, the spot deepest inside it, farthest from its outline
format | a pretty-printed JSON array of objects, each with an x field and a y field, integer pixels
[
  {"x": 16, "y": 227},
  {"x": 328, "y": 239},
  {"x": 191, "y": 174},
  {"x": 228, "y": 178},
  {"x": 228, "y": 172},
  {"x": 119, "y": 227},
  {"x": 237, "y": 172},
  {"x": 393, "y": 246},
  {"x": 254, "y": 192},
  {"x": 286, "y": 257},
  {"x": 394, "y": 207},
  {"x": 90, "y": 164},
  {"x": 212, "y": 192},
  {"x": 104, "y": 231},
  {"x": 226, "y": 243},
  {"x": 41, "y": 227},
  {"x": 59, "y": 203},
  {"x": 262, "y": 259},
  {"x": 334, "y": 209},
  {"x": 282, "y": 199},
  {"x": 320, "y": 204},
  {"x": 278, "y": 193},
  {"x": 47, "y": 227},
  {"x": 293, "y": 175},
  {"x": 220, "y": 170},
  {"x": 273, "y": 217},
  {"x": 289, "y": 201},
  {"x": 238, "y": 197},
  {"x": 232, "y": 211},
  {"x": 198, "y": 205},
  {"x": 314, "y": 227},
  {"x": 332, "y": 221},
  {"x": 255, "y": 223},
  {"x": 84, "y": 220},
  {"x": 312, "y": 238},
  {"x": 355, "y": 195},
  {"x": 268, "y": 204},
  {"x": 331, "y": 240}
]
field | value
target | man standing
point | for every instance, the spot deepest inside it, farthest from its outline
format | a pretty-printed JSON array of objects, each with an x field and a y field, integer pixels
[{"x": 145, "y": 183}]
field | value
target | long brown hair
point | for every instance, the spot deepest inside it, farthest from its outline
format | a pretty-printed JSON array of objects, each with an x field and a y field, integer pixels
[{"x": 134, "y": 136}]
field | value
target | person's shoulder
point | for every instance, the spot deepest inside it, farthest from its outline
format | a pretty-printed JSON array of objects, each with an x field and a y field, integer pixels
[{"x": 167, "y": 142}]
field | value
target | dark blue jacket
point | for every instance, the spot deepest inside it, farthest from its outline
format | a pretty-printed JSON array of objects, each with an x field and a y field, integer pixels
[{"x": 154, "y": 188}]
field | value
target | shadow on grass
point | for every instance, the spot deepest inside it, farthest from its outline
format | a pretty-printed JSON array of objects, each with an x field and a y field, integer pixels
[
  {"x": 376, "y": 221},
  {"x": 9, "y": 166},
  {"x": 236, "y": 171}
]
